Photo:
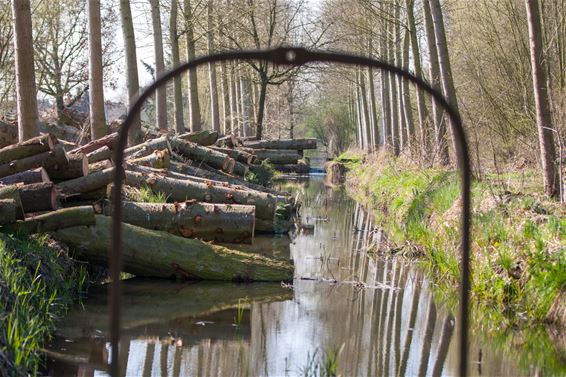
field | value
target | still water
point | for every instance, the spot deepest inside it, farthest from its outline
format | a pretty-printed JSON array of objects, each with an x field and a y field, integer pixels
[{"x": 376, "y": 313}]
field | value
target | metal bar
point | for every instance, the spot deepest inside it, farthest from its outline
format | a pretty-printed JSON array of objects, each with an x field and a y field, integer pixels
[{"x": 297, "y": 57}]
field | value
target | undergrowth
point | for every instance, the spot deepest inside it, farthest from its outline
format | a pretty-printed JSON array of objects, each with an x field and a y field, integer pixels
[
  {"x": 518, "y": 252},
  {"x": 37, "y": 285}
]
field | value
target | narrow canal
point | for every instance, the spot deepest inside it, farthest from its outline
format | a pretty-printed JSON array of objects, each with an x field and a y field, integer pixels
[{"x": 368, "y": 314}]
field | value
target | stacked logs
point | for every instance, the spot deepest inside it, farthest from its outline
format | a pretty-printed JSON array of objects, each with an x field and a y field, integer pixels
[{"x": 50, "y": 186}]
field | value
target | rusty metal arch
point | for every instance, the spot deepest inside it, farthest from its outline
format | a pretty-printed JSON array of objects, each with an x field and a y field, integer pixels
[{"x": 294, "y": 56}]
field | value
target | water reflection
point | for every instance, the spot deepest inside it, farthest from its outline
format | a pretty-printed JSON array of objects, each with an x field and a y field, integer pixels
[{"x": 379, "y": 311}]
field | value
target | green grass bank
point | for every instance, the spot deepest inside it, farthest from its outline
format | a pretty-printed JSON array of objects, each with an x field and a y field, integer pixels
[
  {"x": 518, "y": 236},
  {"x": 38, "y": 283}
]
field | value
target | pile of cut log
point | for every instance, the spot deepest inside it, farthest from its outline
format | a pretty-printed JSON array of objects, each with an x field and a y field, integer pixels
[{"x": 50, "y": 186}]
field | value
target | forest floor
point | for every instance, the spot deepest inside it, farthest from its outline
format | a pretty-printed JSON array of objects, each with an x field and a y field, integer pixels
[
  {"x": 38, "y": 283},
  {"x": 518, "y": 235}
]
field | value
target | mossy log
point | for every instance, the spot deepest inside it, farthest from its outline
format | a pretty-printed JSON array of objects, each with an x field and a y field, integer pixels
[
  {"x": 12, "y": 192},
  {"x": 56, "y": 159},
  {"x": 294, "y": 144},
  {"x": 33, "y": 146},
  {"x": 237, "y": 154},
  {"x": 201, "y": 154},
  {"x": 152, "y": 253},
  {"x": 87, "y": 183},
  {"x": 268, "y": 207},
  {"x": 38, "y": 197},
  {"x": 158, "y": 159},
  {"x": 205, "y": 137},
  {"x": 53, "y": 221},
  {"x": 8, "y": 211},
  {"x": 275, "y": 156},
  {"x": 77, "y": 167},
  {"x": 101, "y": 154},
  {"x": 106, "y": 141},
  {"x": 27, "y": 177},
  {"x": 209, "y": 222}
]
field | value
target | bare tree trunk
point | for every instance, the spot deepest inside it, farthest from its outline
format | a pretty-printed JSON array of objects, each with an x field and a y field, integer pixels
[
  {"x": 439, "y": 126},
  {"x": 194, "y": 104},
  {"x": 448, "y": 88},
  {"x": 214, "y": 108},
  {"x": 261, "y": 105},
  {"x": 177, "y": 81},
  {"x": 408, "y": 111},
  {"x": 365, "y": 107},
  {"x": 393, "y": 91},
  {"x": 25, "y": 73},
  {"x": 543, "y": 117},
  {"x": 134, "y": 134},
  {"x": 161, "y": 95},
  {"x": 226, "y": 114},
  {"x": 421, "y": 105},
  {"x": 359, "y": 115},
  {"x": 234, "y": 100},
  {"x": 96, "y": 85},
  {"x": 373, "y": 102},
  {"x": 385, "y": 100}
]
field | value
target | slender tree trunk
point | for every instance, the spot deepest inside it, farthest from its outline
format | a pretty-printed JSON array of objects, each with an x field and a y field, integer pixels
[
  {"x": 359, "y": 115},
  {"x": 214, "y": 108},
  {"x": 244, "y": 105},
  {"x": 134, "y": 134},
  {"x": 194, "y": 104},
  {"x": 25, "y": 74},
  {"x": 226, "y": 114},
  {"x": 421, "y": 105},
  {"x": 261, "y": 107},
  {"x": 161, "y": 95},
  {"x": 365, "y": 107},
  {"x": 373, "y": 103},
  {"x": 393, "y": 92},
  {"x": 96, "y": 85},
  {"x": 448, "y": 88},
  {"x": 439, "y": 126},
  {"x": 402, "y": 129},
  {"x": 385, "y": 100},
  {"x": 177, "y": 81},
  {"x": 234, "y": 113},
  {"x": 407, "y": 108},
  {"x": 543, "y": 116}
]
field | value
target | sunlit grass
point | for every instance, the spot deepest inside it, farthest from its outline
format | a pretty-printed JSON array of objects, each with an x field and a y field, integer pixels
[{"x": 37, "y": 284}]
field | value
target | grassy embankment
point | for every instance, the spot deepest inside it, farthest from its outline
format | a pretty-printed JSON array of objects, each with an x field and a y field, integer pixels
[
  {"x": 38, "y": 282},
  {"x": 518, "y": 236}
]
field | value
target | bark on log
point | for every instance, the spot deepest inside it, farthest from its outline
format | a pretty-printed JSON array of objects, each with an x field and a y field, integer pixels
[
  {"x": 87, "y": 183},
  {"x": 218, "y": 176},
  {"x": 147, "y": 148},
  {"x": 8, "y": 134},
  {"x": 8, "y": 211},
  {"x": 209, "y": 222},
  {"x": 205, "y": 138},
  {"x": 106, "y": 141},
  {"x": 11, "y": 192},
  {"x": 30, "y": 147},
  {"x": 39, "y": 197},
  {"x": 301, "y": 167},
  {"x": 237, "y": 154},
  {"x": 62, "y": 132},
  {"x": 53, "y": 221},
  {"x": 229, "y": 141},
  {"x": 152, "y": 253},
  {"x": 159, "y": 159},
  {"x": 267, "y": 205},
  {"x": 77, "y": 167},
  {"x": 295, "y": 144},
  {"x": 98, "y": 166},
  {"x": 26, "y": 177},
  {"x": 201, "y": 154},
  {"x": 275, "y": 156},
  {"x": 55, "y": 159},
  {"x": 101, "y": 154}
]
